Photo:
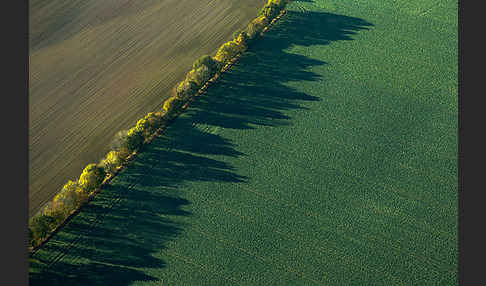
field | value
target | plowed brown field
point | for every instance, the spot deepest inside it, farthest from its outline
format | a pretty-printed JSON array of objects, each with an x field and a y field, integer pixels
[{"x": 96, "y": 67}]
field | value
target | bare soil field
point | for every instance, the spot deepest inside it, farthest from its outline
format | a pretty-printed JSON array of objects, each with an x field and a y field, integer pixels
[{"x": 96, "y": 67}]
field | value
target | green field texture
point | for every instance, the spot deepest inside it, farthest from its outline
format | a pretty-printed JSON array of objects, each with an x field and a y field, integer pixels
[{"x": 326, "y": 156}]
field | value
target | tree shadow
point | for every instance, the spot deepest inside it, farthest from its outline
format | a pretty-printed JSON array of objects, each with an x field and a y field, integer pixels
[
  {"x": 112, "y": 235},
  {"x": 253, "y": 92},
  {"x": 130, "y": 221}
]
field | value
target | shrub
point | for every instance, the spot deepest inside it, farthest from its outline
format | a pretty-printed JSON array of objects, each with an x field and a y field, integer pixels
[
  {"x": 172, "y": 105},
  {"x": 111, "y": 161},
  {"x": 91, "y": 178}
]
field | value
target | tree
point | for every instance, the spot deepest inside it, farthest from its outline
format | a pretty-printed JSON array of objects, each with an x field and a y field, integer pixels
[
  {"x": 154, "y": 120},
  {"x": 207, "y": 61},
  {"x": 57, "y": 210},
  {"x": 73, "y": 195},
  {"x": 127, "y": 141},
  {"x": 236, "y": 34},
  {"x": 229, "y": 50},
  {"x": 111, "y": 161},
  {"x": 91, "y": 178},
  {"x": 134, "y": 138},
  {"x": 256, "y": 26},
  {"x": 243, "y": 39},
  {"x": 41, "y": 225},
  {"x": 172, "y": 105},
  {"x": 270, "y": 10},
  {"x": 186, "y": 88},
  {"x": 65, "y": 201},
  {"x": 199, "y": 76}
]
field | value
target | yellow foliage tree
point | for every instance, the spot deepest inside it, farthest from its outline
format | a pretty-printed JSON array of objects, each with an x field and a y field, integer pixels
[
  {"x": 172, "y": 105},
  {"x": 228, "y": 50},
  {"x": 91, "y": 178},
  {"x": 111, "y": 161},
  {"x": 256, "y": 26}
]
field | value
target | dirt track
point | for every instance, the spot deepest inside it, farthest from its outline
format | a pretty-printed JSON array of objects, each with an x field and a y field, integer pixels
[{"x": 96, "y": 67}]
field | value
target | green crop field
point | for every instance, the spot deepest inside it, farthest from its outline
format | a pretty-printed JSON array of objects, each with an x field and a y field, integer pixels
[{"x": 326, "y": 156}]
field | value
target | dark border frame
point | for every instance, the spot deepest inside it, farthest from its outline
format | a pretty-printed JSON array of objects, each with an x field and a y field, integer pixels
[{"x": 15, "y": 77}]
